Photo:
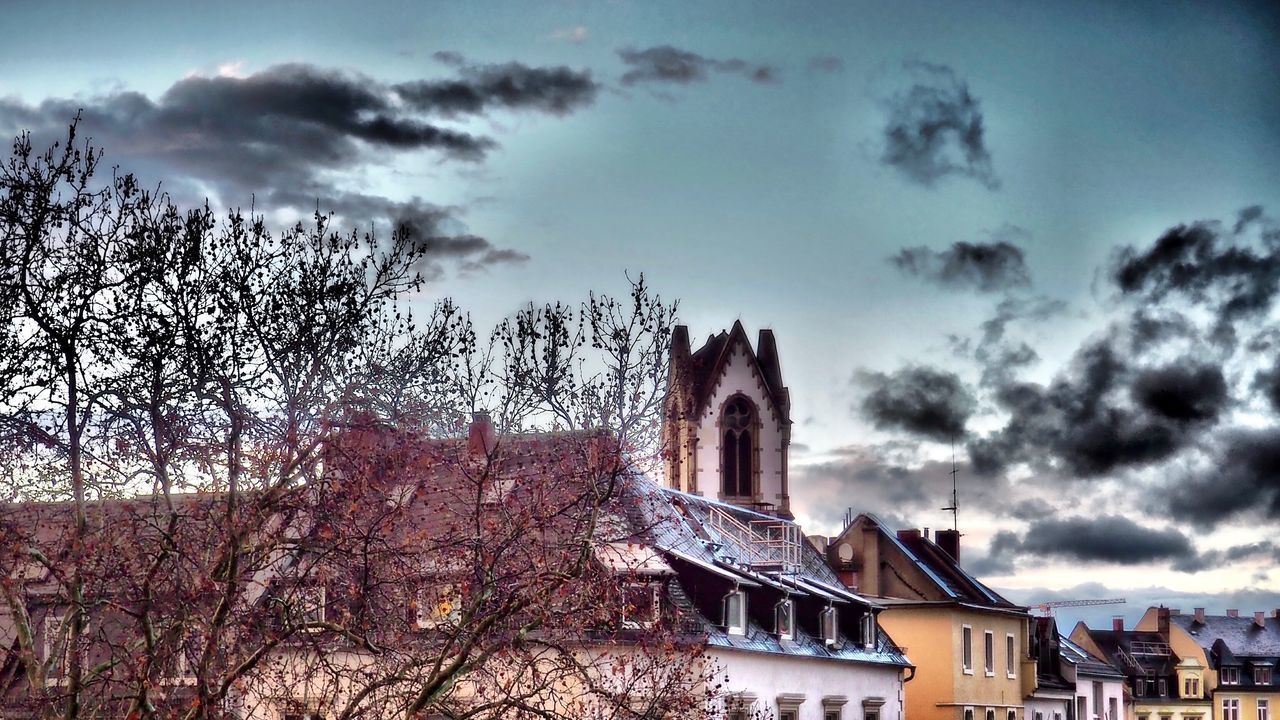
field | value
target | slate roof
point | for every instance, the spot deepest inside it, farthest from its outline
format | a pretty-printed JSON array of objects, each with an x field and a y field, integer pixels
[
  {"x": 950, "y": 579},
  {"x": 680, "y": 526},
  {"x": 1241, "y": 635},
  {"x": 1086, "y": 662},
  {"x": 1118, "y": 646}
]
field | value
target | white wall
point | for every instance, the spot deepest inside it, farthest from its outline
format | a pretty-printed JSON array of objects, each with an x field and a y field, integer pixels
[
  {"x": 1047, "y": 708},
  {"x": 768, "y": 675},
  {"x": 738, "y": 378},
  {"x": 1110, "y": 689}
]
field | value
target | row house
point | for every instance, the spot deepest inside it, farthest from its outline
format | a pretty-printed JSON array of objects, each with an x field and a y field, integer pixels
[
  {"x": 1098, "y": 685},
  {"x": 1056, "y": 674},
  {"x": 969, "y": 643},
  {"x": 1163, "y": 684},
  {"x": 1239, "y": 654}
]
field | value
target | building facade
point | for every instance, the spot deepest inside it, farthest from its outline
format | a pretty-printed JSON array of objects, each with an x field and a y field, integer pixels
[
  {"x": 1162, "y": 684},
  {"x": 969, "y": 644}
]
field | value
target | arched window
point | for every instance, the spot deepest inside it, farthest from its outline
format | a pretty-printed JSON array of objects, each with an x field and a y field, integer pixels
[{"x": 737, "y": 454}]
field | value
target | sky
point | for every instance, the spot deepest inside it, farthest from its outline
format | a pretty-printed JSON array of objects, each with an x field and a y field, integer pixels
[{"x": 1038, "y": 238}]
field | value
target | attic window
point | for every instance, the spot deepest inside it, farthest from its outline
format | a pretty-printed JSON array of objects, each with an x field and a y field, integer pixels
[
  {"x": 1230, "y": 675},
  {"x": 868, "y": 629},
  {"x": 641, "y": 606},
  {"x": 827, "y": 620},
  {"x": 307, "y": 606},
  {"x": 737, "y": 451},
  {"x": 784, "y": 617},
  {"x": 735, "y": 613},
  {"x": 1262, "y": 676}
]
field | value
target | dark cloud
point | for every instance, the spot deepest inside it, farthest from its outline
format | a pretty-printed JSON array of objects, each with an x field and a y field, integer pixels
[
  {"x": 1201, "y": 264},
  {"x": 669, "y": 65},
  {"x": 922, "y": 401},
  {"x": 1242, "y": 477},
  {"x": 1105, "y": 538},
  {"x": 826, "y": 64},
  {"x": 278, "y": 136},
  {"x": 1265, "y": 550},
  {"x": 984, "y": 267},
  {"x": 509, "y": 86},
  {"x": 1182, "y": 392},
  {"x": 935, "y": 129},
  {"x": 1083, "y": 423}
]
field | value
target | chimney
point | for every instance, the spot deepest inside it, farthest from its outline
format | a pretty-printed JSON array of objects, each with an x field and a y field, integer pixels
[
  {"x": 1162, "y": 621},
  {"x": 1233, "y": 612},
  {"x": 1200, "y": 615},
  {"x": 1260, "y": 619},
  {"x": 481, "y": 437},
  {"x": 926, "y": 533},
  {"x": 1117, "y": 623},
  {"x": 1175, "y": 611},
  {"x": 1276, "y": 613},
  {"x": 869, "y": 572},
  {"x": 912, "y": 534},
  {"x": 949, "y": 541}
]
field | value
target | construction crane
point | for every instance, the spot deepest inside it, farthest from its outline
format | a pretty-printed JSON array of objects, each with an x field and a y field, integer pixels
[{"x": 1048, "y": 606}]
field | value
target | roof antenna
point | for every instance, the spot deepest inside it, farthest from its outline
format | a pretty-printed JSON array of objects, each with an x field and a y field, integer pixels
[{"x": 954, "y": 507}]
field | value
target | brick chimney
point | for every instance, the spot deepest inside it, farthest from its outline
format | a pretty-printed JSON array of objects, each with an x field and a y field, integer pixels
[
  {"x": 1260, "y": 619},
  {"x": 1117, "y": 623},
  {"x": 869, "y": 572},
  {"x": 1276, "y": 613},
  {"x": 912, "y": 534},
  {"x": 949, "y": 541},
  {"x": 1233, "y": 612},
  {"x": 481, "y": 436},
  {"x": 1162, "y": 620},
  {"x": 1200, "y": 615}
]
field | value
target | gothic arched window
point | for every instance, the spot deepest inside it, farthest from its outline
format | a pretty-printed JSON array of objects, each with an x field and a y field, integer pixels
[{"x": 737, "y": 452}]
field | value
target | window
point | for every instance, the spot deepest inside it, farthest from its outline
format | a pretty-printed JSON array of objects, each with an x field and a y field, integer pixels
[
  {"x": 737, "y": 452},
  {"x": 1230, "y": 709},
  {"x": 735, "y": 613},
  {"x": 1039, "y": 715},
  {"x": 1082, "y": 708},
  {"x": 789, "y": 706},
  {"x": 1012, "y": 715},
  {"x": 439, "y": 606},
  {"x": 1113, "y": 712},
  {"x": 869, "y": 629},
  {"x": 827, "y": 619},
  {"x": 1162, "y": 687},
  {"x": 1097, "y": 699},
  {"x": 968, "y": 714},
  {"x": 966, "y": 649},
  {"x": 1262, "y": 676},
  {"x": 1191, "y": 687},
  {"x": 991, "y": 714},
  {"x": 989, "y": 652},
  {"x": 787, "y": 715},
  {"x": 1230, "y": 675},
  {"x": 307, "y": 605},
  {"x": 833, "y": 707},
  {"x": 784, "y": 619},
  {"x": 1264, "y": 709},
  {"x": 640, "y": 605},
  {"x": 1010, "y": 657}
]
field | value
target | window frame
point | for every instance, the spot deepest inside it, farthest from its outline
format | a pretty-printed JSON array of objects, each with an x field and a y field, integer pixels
[
  {"x": 869, "y": 629},
  {"x": 1263, "y": 708},
  {"x": 785, "y": 609},
  {"x": 828, "y": 625},
  {"x": 1230, "y": 708},
  {"x": 1262, "y": 675},
  {"x": 740, "y": 626},
  {"x": 751, "y": 432},
  {"x": 1229, "y": 675},
  {"x": 966, "y": 649},
  {"x": 1011, "y": 655},
  {"x": 989, "y": 653},
  {"x": 655, "y": 605}
]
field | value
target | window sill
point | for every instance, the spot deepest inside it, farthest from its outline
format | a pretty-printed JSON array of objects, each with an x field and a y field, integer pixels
[
  {"x": 990, "y": 673},
  {"x": 968, "y": 671}
]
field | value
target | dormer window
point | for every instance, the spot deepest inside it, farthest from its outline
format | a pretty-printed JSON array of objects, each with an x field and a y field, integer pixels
[
  {"x": 308, "y": 605},
  {"x": 827, "y": 621},
  {"x": 1230, "y": 675},
  {"x": 735, "y": 613},
  {"x": 737, "y": 449},
  {"x": 1262, "y": 676},
  {"x": 868, "y": 629},
  {"x": 784, "y": 618},
  {"x": 641, "y": 608}
]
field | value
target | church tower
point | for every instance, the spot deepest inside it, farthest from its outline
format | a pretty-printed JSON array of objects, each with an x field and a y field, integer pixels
[{"x": 727, "y": 421}]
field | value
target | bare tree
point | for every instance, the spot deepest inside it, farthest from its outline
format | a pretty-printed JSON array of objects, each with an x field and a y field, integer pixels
[{"x": 239, "y": 485}]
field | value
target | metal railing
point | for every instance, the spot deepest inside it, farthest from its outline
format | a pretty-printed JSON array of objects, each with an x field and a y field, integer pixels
[{"x": 760, "y": 543}]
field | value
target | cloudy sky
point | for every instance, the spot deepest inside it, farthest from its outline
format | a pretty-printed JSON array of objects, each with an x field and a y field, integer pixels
[{"x": 1043, "y": 234}]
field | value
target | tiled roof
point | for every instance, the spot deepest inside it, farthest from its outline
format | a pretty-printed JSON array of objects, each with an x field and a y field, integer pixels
[{"x": 1240, "y": 634}]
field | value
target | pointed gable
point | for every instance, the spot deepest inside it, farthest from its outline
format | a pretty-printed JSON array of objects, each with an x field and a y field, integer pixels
[{"x": 708, "y": 367}]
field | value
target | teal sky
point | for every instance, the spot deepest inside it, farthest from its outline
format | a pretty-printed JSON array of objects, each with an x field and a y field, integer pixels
[{"x": 1106, "y": 124}]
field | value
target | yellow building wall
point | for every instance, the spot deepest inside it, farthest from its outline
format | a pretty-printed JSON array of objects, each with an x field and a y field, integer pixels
[
  {"x": 1248, "y": 703},
  {"x": 941, "y": 689},
  {"x": 1183, "y": 645}
]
